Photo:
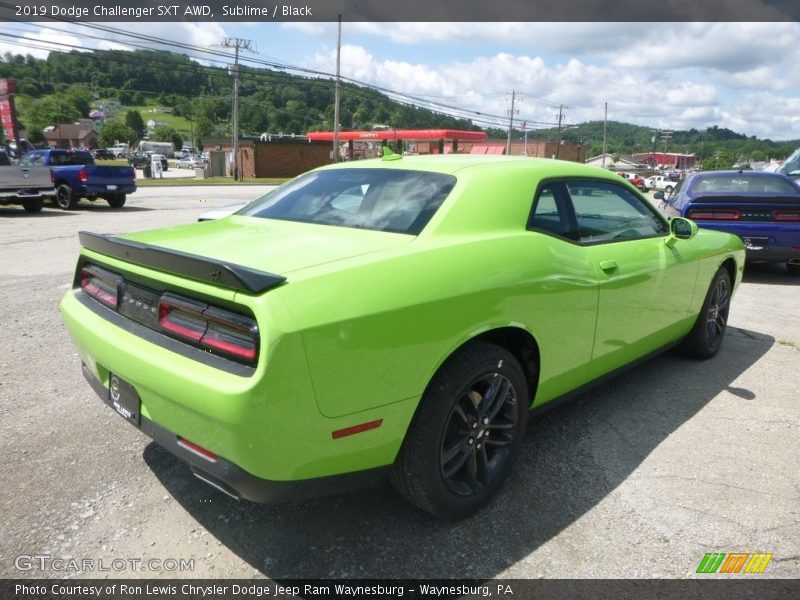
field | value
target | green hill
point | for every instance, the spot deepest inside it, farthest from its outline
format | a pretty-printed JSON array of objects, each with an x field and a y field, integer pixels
[{"x": 195, "y": 100}]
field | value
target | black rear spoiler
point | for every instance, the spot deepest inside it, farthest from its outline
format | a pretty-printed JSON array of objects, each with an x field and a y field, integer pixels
[{"x": 217, "y": 272}]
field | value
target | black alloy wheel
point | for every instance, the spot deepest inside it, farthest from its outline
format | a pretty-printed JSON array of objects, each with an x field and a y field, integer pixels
[
  {"x": 705, "y": 338},
  {"x": 65, "y": 198},
  {"x": 479, "y": 434},
  {"x": 466, "y": 433},
  {"x": 717, "y": 312}
]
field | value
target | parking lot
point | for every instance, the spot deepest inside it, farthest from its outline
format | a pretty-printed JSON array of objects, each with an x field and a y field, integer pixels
[{"x": 639, "y": 478}]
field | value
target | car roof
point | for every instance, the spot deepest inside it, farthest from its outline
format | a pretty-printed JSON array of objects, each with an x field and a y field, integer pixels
[
  {"x": 455, "y": 163},
  {"x": 729, "y": 172}
]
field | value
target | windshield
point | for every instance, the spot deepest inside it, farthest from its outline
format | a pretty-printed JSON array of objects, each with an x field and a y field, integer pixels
[
  {"x": 743, "y": 183},
  {"x": 380, "y": 199},
  {"x": 791, "y": 166}
]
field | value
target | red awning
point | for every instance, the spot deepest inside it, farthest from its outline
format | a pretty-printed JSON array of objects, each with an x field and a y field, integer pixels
[{"x": 400, "y": 134}]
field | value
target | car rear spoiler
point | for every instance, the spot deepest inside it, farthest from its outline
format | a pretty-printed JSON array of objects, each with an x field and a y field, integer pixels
[{"x": 217, "y": 272}]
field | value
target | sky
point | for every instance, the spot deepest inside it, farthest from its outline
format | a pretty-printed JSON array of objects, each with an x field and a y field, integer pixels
[{"x": 674, "y": 76}]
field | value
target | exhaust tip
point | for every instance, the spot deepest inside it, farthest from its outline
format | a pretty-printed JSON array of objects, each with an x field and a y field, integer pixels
[{"x": 217, "y": 484}]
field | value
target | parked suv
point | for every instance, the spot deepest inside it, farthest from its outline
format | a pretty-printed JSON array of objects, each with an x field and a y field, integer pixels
[{"x": 140, "y": 160}]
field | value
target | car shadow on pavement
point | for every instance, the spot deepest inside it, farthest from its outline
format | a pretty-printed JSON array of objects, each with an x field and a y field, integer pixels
[
  {"x": 10, "y": 212},
  {"x": 769, "y": 273},
  {"x": 100, "y": 207},
  {"x": 573, "y": 457}
]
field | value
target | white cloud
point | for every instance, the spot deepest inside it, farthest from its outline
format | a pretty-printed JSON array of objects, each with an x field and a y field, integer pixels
[
  {"x": 39, "y": 44},
  {"x": 670, "y": 75}
]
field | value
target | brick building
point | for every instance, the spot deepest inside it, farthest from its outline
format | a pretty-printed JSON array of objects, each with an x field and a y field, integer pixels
[{"x": 278, "y": 157}]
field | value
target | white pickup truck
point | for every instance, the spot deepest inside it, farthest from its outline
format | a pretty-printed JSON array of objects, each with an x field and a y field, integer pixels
[{"x": 661, "y": 183}]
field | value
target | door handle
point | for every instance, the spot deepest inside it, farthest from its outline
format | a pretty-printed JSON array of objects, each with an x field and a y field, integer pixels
[{"x": 608, "y": 265}]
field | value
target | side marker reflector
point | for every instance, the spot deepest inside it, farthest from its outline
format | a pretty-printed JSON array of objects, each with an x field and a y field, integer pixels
[{"x": 340, "y": 433}]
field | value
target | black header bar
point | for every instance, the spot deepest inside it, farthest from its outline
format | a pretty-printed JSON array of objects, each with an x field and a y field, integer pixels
[{"x": 84, "y": 11}]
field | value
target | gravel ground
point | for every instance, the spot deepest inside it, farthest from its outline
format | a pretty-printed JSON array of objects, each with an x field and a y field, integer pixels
[{"x": 639, "y": 478}]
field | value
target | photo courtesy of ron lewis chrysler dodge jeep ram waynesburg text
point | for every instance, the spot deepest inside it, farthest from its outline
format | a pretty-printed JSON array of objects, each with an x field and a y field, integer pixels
[{"x": 390, "y": 317}]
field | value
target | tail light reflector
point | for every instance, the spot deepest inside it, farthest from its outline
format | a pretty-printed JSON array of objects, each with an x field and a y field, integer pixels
[
  {"x": 83, "y": 175},
  {"x": 101, "y": 285},
  {"x": 181, "y": 317},
  {"x": 231, "y": 334},
  {"x": 780, "y": 215},
  {"x": 199, "y": 450},
  {"x": 211, "y": 328},
  {"x": 714, "y": 215},
  {"x": 217, "y": 330}
]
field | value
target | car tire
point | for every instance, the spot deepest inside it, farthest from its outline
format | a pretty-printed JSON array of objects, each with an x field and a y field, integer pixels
[
  {"x": 65, "y": 197},
  {"x": 705, "y": 338},
  {"x": 445, "y": 465},
  {"x": 793, "y": 268},
  {"x": 33, "y": 206},
  {"x": 117, "y": 201},
  {"x": 668, "y": 189}
]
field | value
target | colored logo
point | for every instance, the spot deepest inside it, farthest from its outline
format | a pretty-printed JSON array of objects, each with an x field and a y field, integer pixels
[{"x": 734, "y": 562}]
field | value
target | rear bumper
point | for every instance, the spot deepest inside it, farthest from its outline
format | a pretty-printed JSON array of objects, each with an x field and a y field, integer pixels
[
  {"x": 102, "y": 190},
  {"x": 234, "y": 481},
  {"x": 765, "y": 242}
]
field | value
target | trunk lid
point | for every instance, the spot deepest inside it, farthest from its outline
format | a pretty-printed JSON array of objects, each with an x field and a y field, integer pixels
[{"x": 279, "y": 247}]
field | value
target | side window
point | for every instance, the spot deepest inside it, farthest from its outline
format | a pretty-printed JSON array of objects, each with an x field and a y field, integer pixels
[
  {"x": 552, "y": 212},
  {"x": 27, "y": 160},
  {"x": 608, "y": 212}
]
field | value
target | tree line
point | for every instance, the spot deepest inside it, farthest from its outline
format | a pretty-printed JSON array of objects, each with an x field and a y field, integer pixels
[{"x": 63, "y": 87}]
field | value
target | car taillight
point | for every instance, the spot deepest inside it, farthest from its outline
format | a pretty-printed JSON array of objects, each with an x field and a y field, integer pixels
[
  {"x": 217, "y": 330},
  {"x": 782, "y": 215},
  {"x": 101, "y": 285},
  {"x": 714, "y": 215},
  {"x": 83, "y": 175}
]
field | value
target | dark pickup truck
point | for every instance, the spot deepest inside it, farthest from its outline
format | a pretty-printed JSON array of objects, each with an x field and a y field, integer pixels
[
  {"x": 28, "y": 186},
  {"x": 75, "y": 176}
]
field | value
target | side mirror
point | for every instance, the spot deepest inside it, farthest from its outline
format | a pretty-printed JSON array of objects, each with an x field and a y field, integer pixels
[
  {"x": 680, "y": 229},
  {"x": 658, "y": 195}
]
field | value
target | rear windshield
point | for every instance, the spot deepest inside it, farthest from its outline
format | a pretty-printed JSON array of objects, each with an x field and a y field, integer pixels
[
  {"x": 71, "y": 158},
  {"x": 379, "y": 199},
  {"x": 738, "y": 183}
]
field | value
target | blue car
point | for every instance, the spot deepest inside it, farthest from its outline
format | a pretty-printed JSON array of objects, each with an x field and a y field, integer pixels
[{"x": 761, "y": 208}]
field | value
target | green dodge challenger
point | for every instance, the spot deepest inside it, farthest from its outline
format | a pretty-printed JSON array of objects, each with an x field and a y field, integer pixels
[{"x": 391, "y": 317}]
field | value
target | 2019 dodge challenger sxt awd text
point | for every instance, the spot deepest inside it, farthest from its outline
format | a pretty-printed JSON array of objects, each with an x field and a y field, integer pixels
[{"x": 394, "y": 317}]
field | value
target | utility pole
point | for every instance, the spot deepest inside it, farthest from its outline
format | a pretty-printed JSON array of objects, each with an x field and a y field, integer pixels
[
  {"x": 666, "y": 136},
  {"x": 561, "y": 108},
  {"x": 525, "y": 132},
  {"x": 511, "y": 114},
  {"x": 237, "y": 44},
  {"x": 336, "y": 94},
  {"x": 605, "y": 125}
]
